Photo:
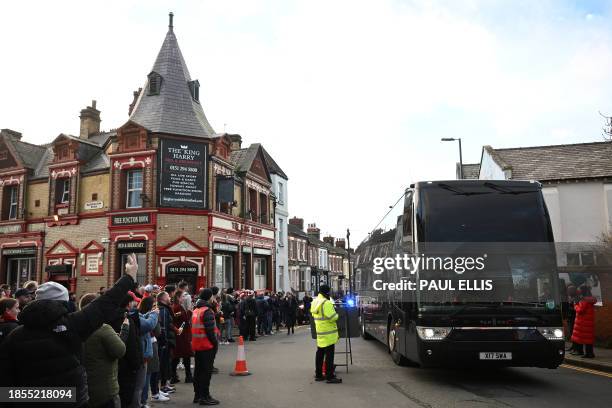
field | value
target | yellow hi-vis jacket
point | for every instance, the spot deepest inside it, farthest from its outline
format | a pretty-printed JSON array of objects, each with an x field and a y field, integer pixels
[{"x": 325, "y": 316}]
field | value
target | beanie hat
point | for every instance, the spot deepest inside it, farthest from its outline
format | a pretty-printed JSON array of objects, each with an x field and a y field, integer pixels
[
  {"x": 205, "y": 294},
  {"x": 324, "y": 289},
  {"x": 52, "y": 291}
]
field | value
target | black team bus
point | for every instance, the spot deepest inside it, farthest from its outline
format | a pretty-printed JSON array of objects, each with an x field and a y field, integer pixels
[{"x": 464, "y": 273}]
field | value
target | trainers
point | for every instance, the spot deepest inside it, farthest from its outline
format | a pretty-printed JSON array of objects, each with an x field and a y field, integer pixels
[
  {"x": 159, "y": 398},
  {"x": 167, "y": 390},
  {"x": 163, "y": 393},
  {"x": 321, "y": 378},
  {"x": 334, "y": 380}
]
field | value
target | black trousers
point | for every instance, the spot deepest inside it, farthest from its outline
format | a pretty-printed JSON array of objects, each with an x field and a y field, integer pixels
[
  {"x": 164, "y": 364},
  {"x": 204, "y": 361},
  {"x": 328, "y": 354},
  {"x": 250, "y": 320}
]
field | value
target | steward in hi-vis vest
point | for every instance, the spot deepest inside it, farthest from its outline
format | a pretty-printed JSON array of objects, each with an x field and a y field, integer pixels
[
  {"x": 204, "y": 344},
  {"x": 325, "y": 316}
]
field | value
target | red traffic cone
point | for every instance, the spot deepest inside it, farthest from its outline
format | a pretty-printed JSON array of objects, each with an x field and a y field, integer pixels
[{"x": 240, "y": 368}]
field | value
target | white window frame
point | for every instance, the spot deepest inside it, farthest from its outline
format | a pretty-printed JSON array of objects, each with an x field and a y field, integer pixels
[
  {"x": 129, "y": 190},
  {"x": 14, "y": 203},
  {"x": 281, "y": 194},
  {"x": 281, "y": 232},
  {"x": 65, "y": 199}
]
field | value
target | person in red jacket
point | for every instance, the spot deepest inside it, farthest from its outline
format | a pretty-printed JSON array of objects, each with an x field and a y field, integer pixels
[{"x": 584, "y": 325}]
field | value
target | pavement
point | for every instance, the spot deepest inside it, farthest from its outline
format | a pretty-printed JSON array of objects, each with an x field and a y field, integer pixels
[
  {"x": 282, "y": 370},
  {"x": 602, "y": 360}
]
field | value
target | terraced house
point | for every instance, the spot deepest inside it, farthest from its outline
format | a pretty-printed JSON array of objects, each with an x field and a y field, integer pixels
[{"x": 191, "y": 203}]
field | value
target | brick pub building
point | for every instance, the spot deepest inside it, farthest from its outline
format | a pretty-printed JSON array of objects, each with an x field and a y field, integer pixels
[{"x": 192, "y": 204}]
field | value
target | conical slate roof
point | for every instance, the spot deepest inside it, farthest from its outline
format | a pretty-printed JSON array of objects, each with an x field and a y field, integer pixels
[{"x": 173, "y": 110}]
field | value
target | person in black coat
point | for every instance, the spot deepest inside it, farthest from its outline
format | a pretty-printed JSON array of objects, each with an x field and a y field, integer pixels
[
  {"x": 250, "y": 316},
  {"x": 46, "y": 351},
  {"x": 9, "y": 310},
  {"x": 292, "y": 308},
  {"x": 133, "y": 359}
]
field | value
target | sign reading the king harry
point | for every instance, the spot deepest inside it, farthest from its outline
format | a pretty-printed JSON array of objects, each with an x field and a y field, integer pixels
[{"x": 183, "y": 174}]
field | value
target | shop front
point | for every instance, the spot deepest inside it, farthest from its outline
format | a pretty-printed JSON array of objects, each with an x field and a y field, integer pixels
[
  {"x": 225, "y": 265},
  {"x": 19, "y": 265},
  {"x": 132, "y": 232},
  {"x": 182, "y": 260},
  {"x": 137, "y": 247},
  {"x": 242, "y": 254}
]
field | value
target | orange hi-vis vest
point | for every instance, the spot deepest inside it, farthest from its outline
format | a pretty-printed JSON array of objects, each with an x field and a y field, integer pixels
[{"x": 199, "y": 339}]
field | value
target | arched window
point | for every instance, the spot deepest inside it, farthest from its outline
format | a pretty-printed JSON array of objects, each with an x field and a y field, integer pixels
[{"x": 155, "y": 82}]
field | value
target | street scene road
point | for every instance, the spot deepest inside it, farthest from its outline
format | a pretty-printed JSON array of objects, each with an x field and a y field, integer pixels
[{"x": 282, "y": 370}]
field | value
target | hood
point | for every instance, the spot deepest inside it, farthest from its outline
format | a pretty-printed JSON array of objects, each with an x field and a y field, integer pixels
[
  {"x": 43, "y": 314},
  {"x": 317, "y": 303}
]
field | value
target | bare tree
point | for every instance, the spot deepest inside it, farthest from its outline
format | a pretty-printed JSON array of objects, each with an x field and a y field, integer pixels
[{"x": 607, "y": 128}]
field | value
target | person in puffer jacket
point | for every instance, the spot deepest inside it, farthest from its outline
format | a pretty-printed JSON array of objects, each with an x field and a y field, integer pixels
[
  {"x": 46, "y": 351},
  {"x": 583, "y": 335}
]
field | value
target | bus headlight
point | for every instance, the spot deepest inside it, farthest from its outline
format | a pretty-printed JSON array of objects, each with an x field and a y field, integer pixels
[
  {"x": 433, "y": 333},
  {"x": 551, "y": 333}
]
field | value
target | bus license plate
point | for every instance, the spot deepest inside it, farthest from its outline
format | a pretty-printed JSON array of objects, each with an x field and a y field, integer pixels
[{"x": 495, "y": 355}]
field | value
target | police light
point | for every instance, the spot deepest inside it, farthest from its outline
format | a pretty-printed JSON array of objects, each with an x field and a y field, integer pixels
[{"x": 350, "y": 301}]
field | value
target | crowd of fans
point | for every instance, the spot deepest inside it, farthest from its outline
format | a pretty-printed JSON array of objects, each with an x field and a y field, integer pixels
[{"x": 125, "y": 346}]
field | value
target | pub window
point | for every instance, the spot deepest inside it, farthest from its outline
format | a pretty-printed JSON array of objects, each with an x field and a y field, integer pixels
[
  {"x": 94, "y": 196},
  {"x": 263, "y": 204},
  {"x": 9, "y": 206},
  {"x": 225, "y": 194},
  {"x": 62, "y": 191},
  {"x": 134, "y": 189},
  {"x": 36, "y": 203},
  {"x": 253, "y": 204},
  {"x": 260, "y": 273}
]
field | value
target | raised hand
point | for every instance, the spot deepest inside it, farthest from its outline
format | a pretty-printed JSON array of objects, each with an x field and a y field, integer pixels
[{"x": 131, "y": 267}]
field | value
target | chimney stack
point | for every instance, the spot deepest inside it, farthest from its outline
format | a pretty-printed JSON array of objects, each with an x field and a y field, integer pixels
[
  {"x": 133, "y": 104},
  {"x": 90, "y": 121},
  {"x": 298, "y": 222},
  {"x": 341, "y": 243},
  {"x": 236, "y": 142},
  {"x": 329, "y": 240},
  {"x": 313, "y": 231}
]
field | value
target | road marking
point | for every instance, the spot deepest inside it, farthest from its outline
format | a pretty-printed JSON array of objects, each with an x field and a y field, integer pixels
[{"x": 587, "y": 370}]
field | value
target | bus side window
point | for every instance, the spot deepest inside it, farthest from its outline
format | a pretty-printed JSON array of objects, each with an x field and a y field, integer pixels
[{"x": 407, "y": 219}]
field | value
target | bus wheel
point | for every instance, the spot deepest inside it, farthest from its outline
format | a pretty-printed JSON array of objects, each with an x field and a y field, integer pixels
[
  {"x": 364, "y": 334},
  {"x": 392, "y": 345}
]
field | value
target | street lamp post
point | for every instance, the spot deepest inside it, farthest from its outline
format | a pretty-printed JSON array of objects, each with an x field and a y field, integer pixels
[
  {"x": 452, "y": 139},
  {"x": 348, "y": 252}
]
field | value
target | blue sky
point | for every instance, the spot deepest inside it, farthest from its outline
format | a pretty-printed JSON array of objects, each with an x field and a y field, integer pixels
[{"x": 351, "y": 97}]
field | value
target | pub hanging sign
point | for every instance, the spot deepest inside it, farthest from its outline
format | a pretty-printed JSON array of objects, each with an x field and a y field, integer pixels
[{"x": 183, "y": 167}]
